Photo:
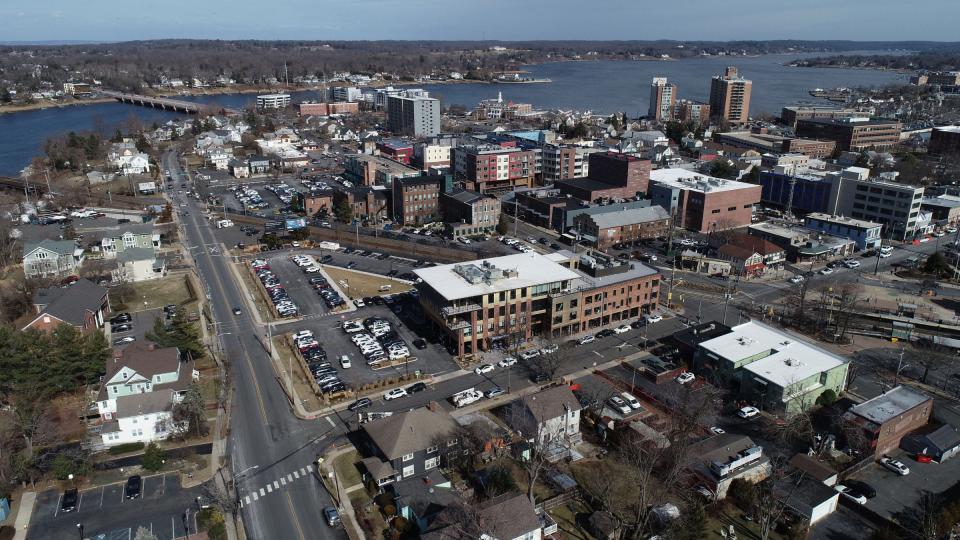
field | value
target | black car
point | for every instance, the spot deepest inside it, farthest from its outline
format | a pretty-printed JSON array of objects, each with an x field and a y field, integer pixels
[
  {"x": 539, "y": 377},
  {"x": 326, "y": 258},
  {"x": 862, "y": 488},
  {"x": 169, "y": 308},
  {"x": 121, "y": 318},
  {"x": 555, "y": 246},
  {"x": 348, "y": 250},
  {"x": 606, "y": 332},
  {"x": 416, "y": 387},
  {"x": 236, "y": 310},
  {"x": 118, "y": 328},
  {"x": 361, "y": 403},
  {"x": 68, "y": 502},
  {"x": 544, "y": 241},
  {"x": 351, "y": 264},
  {"x": 316, "y": 280},
  {"x": 134, "y": 487},
  {"x": 383, "y": 256},
  {"x": 420, "y": 343}
]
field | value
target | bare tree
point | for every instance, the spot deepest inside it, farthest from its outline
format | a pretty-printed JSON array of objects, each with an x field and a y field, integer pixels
[
  {"x": 932, "y": 356},
  {"x": 144, "y": 533},
  {"x": 220, "y": 497},
  {"x": 32, "y": 420},
  {"x": 548, "y": 363}
]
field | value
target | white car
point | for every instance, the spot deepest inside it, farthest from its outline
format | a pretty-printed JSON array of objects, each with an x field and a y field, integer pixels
[
  {"x": 507, "y": 362},
  {"x": 885, "y": 254},
  {"x": 463, "y": 240},
  {"x": 652, "y": 318},
  {"x": 345, "y": 362},
  {"x": 850, "y": 494},
  {"x": 550, "y": 349},
  {"x": 850, "y": 263},
  {"x": 826, "y": 271},
  {"x": 895, "y": 465},
  {"x": 483, "y": 368},
  {"x": 395, "y": 393},
  {"x": 716, "y": 430},
  {"x": 796, "y": 279},
  {"x": 619, "y": 405},
  {"x": 748, "y": 412},
  {"x": 622, "y": 329},
  {"x": 302, "y": 334},
  {"x": 586, "y": 339},
  {"x": 685, "y": 377},
  {"x": 358, "y": 302},
  {"x": 631, "y": 401},
  {"x": 527, "y": 355}
]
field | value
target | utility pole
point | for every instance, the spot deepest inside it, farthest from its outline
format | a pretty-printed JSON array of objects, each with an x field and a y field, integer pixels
[{"x": 877, "y": 267}]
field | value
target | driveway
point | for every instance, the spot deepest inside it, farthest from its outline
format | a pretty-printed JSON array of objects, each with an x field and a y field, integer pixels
[{"x": 897, "y": 493}]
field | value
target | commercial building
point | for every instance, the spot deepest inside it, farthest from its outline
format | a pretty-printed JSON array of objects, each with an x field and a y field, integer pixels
[
  {"x": 853, "y": 134},
  {"x": 693, "y": 111},
  {"x": 802, "y": 244},
  {"x": 344, "y": 93},
  {"x": 417, "y": 116},
  {"x": 396, "y": 150},
  {"x": 766, "y": 142},
  {"x": 490, "y": 168},
  {"x": 376, "y": 170},
  {"x": 887, "y": 418},
  {"x": 730, "y": 97},
  {"x": 866, "y": 234},
  {"x": 703, "y": 203},
  {"x": 428, "y": 155},
  {"x": 612, "y": 176},
  {"x": 273, "y": 101},
  {"x": 945, "y": 209},
  {"x": 469, "y": 213},
  {"x": 663, "y": 97},
  {"x": 479, "y": 303},
  {"x": 779, "y": 372},
  {"x": 416, "y": 200},
  {"x": 944, "y": 141},
  {"x": 621, "y": 225},
  {"x": 751, "y": 255},
  {"x": 308, "y": 108},
  {"x": 790, "y": 115}
]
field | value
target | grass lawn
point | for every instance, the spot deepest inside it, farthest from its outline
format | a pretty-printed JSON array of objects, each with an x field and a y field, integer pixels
[
  {"x": 565, "y": 516},
  {"x": 540, "y": 490},
  {"x": 155, "y": 293},
  {"x": 301, "y": 385},
  {"x": 346, "y": 470},
  {"x": 361, "y": 285}
]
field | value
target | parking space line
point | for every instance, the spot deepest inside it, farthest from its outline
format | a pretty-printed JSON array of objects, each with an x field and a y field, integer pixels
[
  {"x": 80, "y": 501},
  {"x": 57, "y": 508},
  {"x": 102, "y": 490},
  {"x": 163, "y": 487}
]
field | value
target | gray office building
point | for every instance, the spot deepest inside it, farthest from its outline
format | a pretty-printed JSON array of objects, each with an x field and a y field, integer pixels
[{"x": 418, "y": 116}]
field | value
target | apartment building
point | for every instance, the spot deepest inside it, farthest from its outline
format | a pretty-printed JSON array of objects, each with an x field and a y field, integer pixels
[
  {"x": 790, "y": 115},
  {"x": 366, "y": 202},
  {"x": 273, "y": 101},
  {"x": 693, "y": 111},
  {"x": 944, "y": 141},
  {"x": 853, "y": 134},
  {"x": 308, "y": 108},
  {"x": 417, "y": 200},
  {"x": 767, "y": 142},
  {"x": 344, "y": 93},
  {"x": 663, "y": 97},
  {"x": 703, "y": 203},
  {"x": 376, "y": 170},
  {"x": 620, "y": 225},
  {"x": 495, "y": 169},
  {"x": 469, "y": 213},
  {"x": 612, "y": 176},
  {"x": 397, "y": 150},
  {"x": 428, "y": 155},
  {"x": 417, "y": 116},
  {"x": 476, "y": 304},
  {"x": 730, "y": 96}
]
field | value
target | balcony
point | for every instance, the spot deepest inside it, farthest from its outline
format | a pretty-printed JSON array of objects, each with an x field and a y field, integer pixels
[{"x": 457, "y": 310}]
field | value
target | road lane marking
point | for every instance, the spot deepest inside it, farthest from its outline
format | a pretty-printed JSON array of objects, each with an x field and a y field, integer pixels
[
  {"x": 57, "y": 508},
  {"x": 80, "y": 501},
  {"x": 330, "y": 421},
  {"x": 289, "y": 478},
  {"x": 293, "y": 513},
  {"x": 255, "y": 496},
  {"x": 246, "y": 499}
]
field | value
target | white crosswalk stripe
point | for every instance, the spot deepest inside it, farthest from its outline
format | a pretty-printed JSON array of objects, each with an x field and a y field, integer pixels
[
  {"x": 283, "y": 481},
  {"x": 269, "y": 488},
  {"x": 275, "y": 485},
  {"x": 296, "y": 474},
  {"x": 262, "y": 492},
  {"x": 255, "y": 496}
]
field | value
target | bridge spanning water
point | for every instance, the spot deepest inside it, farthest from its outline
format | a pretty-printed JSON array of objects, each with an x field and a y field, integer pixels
[{"x": 164, "y": 103}]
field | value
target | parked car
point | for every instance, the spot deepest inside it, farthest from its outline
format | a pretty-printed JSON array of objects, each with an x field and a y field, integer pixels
[
  {"x": 483, "y": 368},
  {"x": 826, "y": 271},
  {"x": 124, "y": 340},
  {"x": 494, "y": 392},
  {"x": 394, "y": 393},
  {"x": 631, "y": 401},
  {"x": 652, "y": 318},
  {"x": 133, "y": 488},
  {"x": 895, "y": 465},
  {"x": 345, "y": 362},
  {"x": 586, "y": 339},
  {"x": 619, "y": 405},
  {"x": 622, "y": 329},
  {"x": 507, "y": 362},
  {"x": 796, "y": 279},
  {"x": 606, "y": 332},
  {"x": 850, "y": 494},
  {"x": 685, "y": 377},
  {"x": 748, "y": 412},
  {"x": 361, "y": 403},
  {"x": 420, "y": 343},
  {"x": 716, "y": 430},
  {"x": 121, "y": 318},
  {"x": 332, "y": 516},
  {"x": 68, "y": 503},
  {"x": 862, "y": 488}
]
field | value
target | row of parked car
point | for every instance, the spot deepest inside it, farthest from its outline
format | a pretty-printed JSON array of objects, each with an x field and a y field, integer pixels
[
  {"x": 377, "y": 340},
  {"x": 324, "y": 373},
  {"x": 248, "y": 196},
  {"x": 278, "y": 295}
]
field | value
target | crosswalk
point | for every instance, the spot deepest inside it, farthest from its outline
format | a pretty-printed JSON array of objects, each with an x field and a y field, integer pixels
[{"x": 259, "y": 493}]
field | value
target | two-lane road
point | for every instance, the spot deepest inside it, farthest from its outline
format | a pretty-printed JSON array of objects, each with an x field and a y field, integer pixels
[{"x": 270, "y": 450}]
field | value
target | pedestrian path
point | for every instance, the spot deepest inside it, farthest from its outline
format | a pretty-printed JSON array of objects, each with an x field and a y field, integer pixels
[{"x": 256, "y": 494}]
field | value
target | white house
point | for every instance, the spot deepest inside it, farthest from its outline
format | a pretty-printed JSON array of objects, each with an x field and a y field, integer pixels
[
  {"x": 549, "y": 418},
  {"x": 49, "y": 258},
  {"x": 141, "y": 386},
  {"x": 137, "y": 264},
  {"x": 219, "y": 160},
  {"x": 127, "y": 159}
]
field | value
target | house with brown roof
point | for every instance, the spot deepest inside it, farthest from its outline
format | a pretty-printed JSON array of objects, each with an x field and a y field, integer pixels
[
  {"x": 752, "y": 255},
  {"x": 510, "y": 516},
  {"x": 83, "y": 305},
  {"x": 140, "y": 387},
  {"x": 549, "y": 418},
  {"x": 406, "y": 443}
]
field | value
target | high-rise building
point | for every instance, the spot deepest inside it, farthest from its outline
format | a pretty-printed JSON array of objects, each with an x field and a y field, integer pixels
[
  {"x": 730, "y": 97},
  {"x": 418, "y": 116},
  {"x": 663, "y": 96}
]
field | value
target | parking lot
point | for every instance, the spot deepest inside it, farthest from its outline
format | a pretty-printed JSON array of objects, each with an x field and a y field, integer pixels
[
  {"x": 896, "y": 494},
  {"x": 142, "y": 322},
  {"x": 106, "y": 514}
]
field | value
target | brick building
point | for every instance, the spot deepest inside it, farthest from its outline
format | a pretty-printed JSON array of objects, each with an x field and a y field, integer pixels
[
  {"x": 416, "y": 200},
  {"x": 730, "y": 97},
  {"x": 366, "y": 202},
  {"x": 400, "y": 151},
  {"x": 853, "y": 134},
  {"x": 790, "y": 115},
  {"x": 468, "y": 212},
  {"x": 703, "y": 203},
  {"x": 316, "y": 201},
  {"x": 621, "y": 225},
  {"x": 945, "y": 141},
  {"x": 495, "y": 169},
  {"x": 612, "y": 176},
  {"x": 693, "y": 111},
  {"x": 309, "y": 108},
  {"x": 886, "y": 418},
  {"x": 376, "y": 170}
]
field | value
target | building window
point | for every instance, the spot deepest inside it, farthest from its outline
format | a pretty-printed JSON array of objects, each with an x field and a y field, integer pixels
[
  {"x": 432, "y": 450},
  {"x": 408, "y": 457},
  {"x": 717, "y": 211},
  {"x": 431, "y": 463},
  {"x": 731, "y": 209}
]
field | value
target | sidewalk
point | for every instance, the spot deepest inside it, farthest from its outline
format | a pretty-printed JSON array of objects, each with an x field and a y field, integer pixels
[
  {"x": 24, "y": 512},
  {"x": 342, "y": 497}
]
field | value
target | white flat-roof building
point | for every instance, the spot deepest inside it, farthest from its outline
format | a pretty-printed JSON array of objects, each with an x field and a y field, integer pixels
[
  {"x": 776, "y": 370},
  {"x": 474, "y": 278},
  {"x": 273, "y": 101}
]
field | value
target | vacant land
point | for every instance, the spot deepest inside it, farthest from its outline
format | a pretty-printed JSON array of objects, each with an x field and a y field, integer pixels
[
  {"x": 151, "y": 294},
  {"x": 360, "y": 284}
]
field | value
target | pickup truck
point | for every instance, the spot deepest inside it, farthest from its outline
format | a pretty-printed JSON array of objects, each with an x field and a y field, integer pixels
[{"x": 466, "y": 397}]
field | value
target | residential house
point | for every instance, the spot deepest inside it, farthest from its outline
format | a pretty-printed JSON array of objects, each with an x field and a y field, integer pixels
[
  {"x": 721, "y": 459},
  {"x": 549, "y": 418},
  {"x": 940, "y": 443},
  {"x": 239, "y": 168},
  {"x": 510, "y": 516},
  {"x": 886, "y": 419},
  {"x": 132, "y": 236},
  {"x": 406, "y": 443},
  {"x": 815, "y": 469},
  {"x": 127, "y": 159},
  {"x": 746, "y": 262},
  {"x": 137, "y": 264},
  {"x": 259, "y": 164},
  {"x": 219, "y": 159},
  {"x": 140, "y": 388},
  {"x": 83, "y": 305},
  {"x": 51, "y": 258}
]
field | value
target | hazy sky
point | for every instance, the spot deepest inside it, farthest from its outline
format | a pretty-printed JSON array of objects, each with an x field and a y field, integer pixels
[{"x": 112, "y": 20}]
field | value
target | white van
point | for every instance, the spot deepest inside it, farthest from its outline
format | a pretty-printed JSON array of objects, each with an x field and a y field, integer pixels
[{"x": 224, "y": 223}]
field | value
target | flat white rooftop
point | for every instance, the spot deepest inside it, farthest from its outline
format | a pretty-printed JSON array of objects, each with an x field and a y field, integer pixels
[
  {"x": 844, "y": 220},
  {"x": 684, "y": 179},
  {"x": 531, "y": 269},
  {"x": 790, "y": 361}
]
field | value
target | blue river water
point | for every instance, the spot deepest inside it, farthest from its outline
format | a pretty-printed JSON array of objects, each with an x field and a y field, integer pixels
[{"x": 600, "y": 86}]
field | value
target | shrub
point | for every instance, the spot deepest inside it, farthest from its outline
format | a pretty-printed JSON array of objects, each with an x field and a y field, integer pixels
[
  {"x": 827, "y": 397},
  {"x": 63, "y": 466},
  {"x": 153, "y": 457},
  {"x": 126, "y": 447}
]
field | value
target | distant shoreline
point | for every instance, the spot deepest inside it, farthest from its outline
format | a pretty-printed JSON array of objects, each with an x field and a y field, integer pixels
[{"x": 40, "y": 105}]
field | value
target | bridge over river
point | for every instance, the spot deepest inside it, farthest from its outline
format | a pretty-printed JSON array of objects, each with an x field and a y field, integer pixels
[{"x": 165, "y": 103}]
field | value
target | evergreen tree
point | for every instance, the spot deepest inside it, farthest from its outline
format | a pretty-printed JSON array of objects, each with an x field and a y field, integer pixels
[
  {"x": 343, "y": 211},
  {"x": 180, "y": 333}
]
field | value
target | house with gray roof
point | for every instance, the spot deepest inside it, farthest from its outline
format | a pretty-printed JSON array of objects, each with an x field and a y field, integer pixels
[
  {"x": 119, "y": 239},
  {"x": 940, "y": 443},
  {"x": 549, "y": 418},
  {"x": 51, "y": 258},
  {"x": 137, "y": 264},
  {"x": 83, "y": 305},
  {"x": 407, "y": 443}
]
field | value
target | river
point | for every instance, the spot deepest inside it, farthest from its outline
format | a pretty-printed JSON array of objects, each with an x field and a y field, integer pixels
[{"x": 600, "y": 86}]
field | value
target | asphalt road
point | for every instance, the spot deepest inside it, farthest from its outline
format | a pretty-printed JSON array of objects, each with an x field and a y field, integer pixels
[{"x": 267, "y": 443}]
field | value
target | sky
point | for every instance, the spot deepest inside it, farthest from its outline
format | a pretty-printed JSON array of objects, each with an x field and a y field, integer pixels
[{"x": 113, "y": 20}]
